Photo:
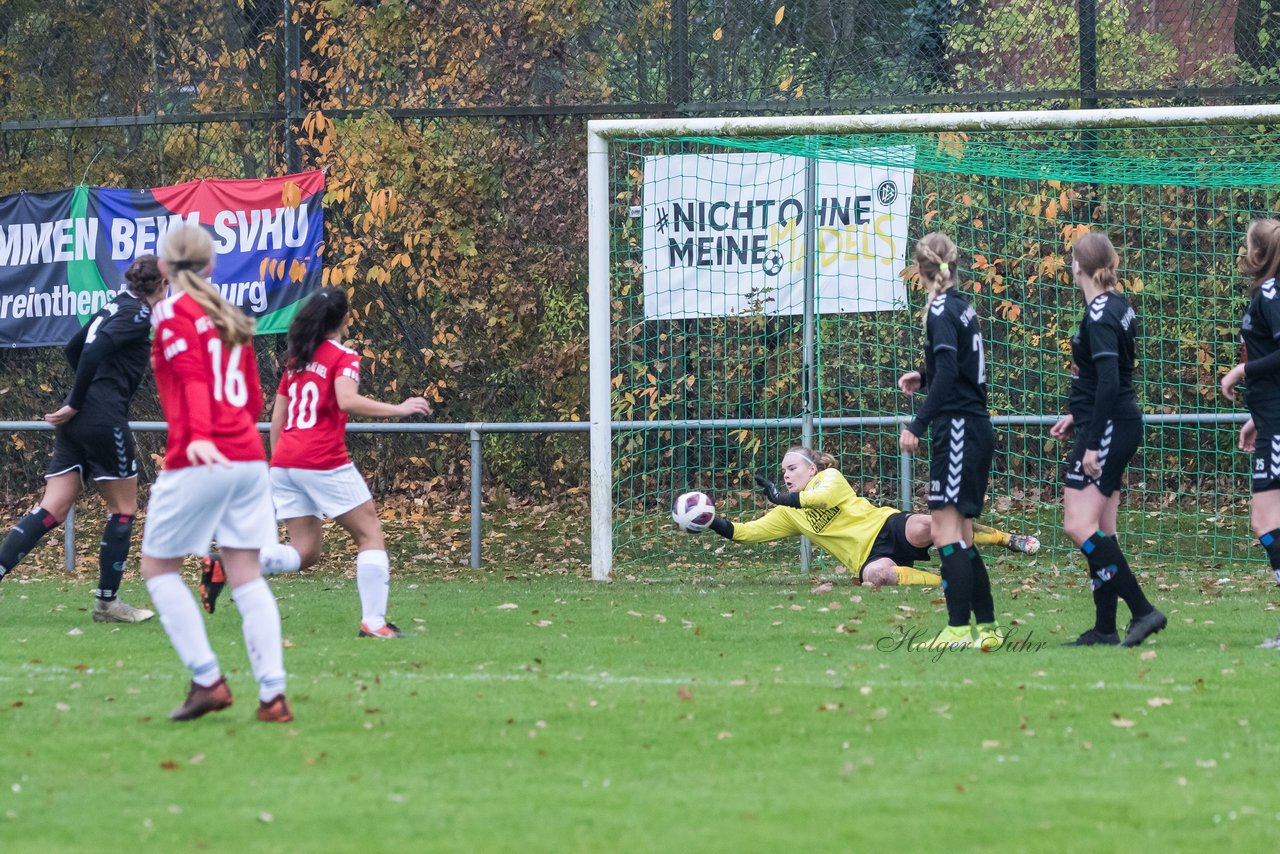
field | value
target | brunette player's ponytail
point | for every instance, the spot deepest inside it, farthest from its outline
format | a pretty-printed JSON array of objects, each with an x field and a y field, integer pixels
[
  {"x": 315, "y": 321},
  {"x": 188, "y": 253}
]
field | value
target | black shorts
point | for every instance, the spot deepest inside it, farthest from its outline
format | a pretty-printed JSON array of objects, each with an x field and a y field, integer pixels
[
  {"x": 99, "y": 451},
  {"x": 1266, "y": 463},
  {"x": 1120, "y": 441},
  {"x": 892, "y": 543},
  {"x": 960, "y": 463}
]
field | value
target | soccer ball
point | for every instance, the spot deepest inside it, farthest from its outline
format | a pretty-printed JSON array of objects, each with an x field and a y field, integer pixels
[{"x": 693, "y": 512}]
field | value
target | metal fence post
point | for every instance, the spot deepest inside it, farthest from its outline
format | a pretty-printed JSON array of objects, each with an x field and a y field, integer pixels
[
  {"x": 476, "y": 469},
  {"x": 904, "y": 480},
  {"x": 809, "y": 360},
  {"x": 69, "y": 540},
  {"x": 292, "y": 88}
]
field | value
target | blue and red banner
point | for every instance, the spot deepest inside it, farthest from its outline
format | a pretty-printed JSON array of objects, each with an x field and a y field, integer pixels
[{"x": 63, "y": 254}]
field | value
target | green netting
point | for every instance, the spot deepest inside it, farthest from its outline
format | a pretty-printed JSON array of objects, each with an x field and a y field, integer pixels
[{"x": 1174, "y": 200}]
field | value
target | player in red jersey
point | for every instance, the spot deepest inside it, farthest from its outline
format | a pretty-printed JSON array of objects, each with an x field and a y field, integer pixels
[
  {"x": 214, "y": 481},
  {"x": 311, "y": 474}
]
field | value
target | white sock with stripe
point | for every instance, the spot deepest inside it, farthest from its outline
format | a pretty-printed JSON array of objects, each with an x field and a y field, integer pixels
[
  {"x": 184, "y": 624},
  {"x": 373, "y": 580},
  {"x": 261, "y": 625}
]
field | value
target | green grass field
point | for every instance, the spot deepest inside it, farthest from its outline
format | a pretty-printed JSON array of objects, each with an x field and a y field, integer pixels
[{"x": 715, "y": 716}]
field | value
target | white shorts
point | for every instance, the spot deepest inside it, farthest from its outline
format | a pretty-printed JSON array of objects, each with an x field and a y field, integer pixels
[
  {"x": 317, "y": 492},
  {"x": 189, "y": 507}
]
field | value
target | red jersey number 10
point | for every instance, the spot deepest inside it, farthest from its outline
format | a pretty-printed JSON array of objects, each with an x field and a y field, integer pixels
[{"x": 302, "y": 403}]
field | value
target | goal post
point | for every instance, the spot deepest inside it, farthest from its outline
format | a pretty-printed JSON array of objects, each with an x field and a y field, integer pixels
[{"x": 670, "y": 402}]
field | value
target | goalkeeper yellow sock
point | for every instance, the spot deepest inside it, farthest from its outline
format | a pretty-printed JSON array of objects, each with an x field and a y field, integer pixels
[
  {"x": 987, "y": 536},
  {"x": 911, "y": 575}
]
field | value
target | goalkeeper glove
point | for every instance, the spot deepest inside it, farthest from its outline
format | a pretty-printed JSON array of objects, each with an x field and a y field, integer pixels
[{"x": 773, "y": 496}]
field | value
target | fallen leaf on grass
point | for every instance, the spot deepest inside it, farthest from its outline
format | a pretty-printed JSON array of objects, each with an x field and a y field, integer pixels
[
  {"x": 266, "y": 817},
  {"x": 169, "y": 765},
  {"x": 830, "y": 707},
  {"x": 685, "y": 695},
  {"x": 62, "y": 707},
  {"x": 197, "y": 759},
  {"x": 1159, "y": 701},
  {"x": 1121, "y": 722},
  {"x": 1148, "y": 655},
  {"x": 634, "y": 614},
  {"x": 507, "y": 606},
  {"x": 990, "y": 744},
  {"x": 1207, "y": 763},
  {"x": 541, "y": 624},
  {"x": 724, "y": 735}
]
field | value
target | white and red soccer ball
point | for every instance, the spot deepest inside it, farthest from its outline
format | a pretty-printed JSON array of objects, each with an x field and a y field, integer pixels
[{"x": 693, "y": 512}]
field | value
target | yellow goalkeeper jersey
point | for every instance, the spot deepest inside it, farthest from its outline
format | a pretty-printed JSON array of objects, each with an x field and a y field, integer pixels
[{"x": 831, "y": 514}]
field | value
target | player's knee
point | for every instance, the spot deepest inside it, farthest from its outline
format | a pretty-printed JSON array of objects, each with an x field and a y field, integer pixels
[
  {"x": 56, "y": 510},
  {"x": 1079, "y": 530},
  {"x": 879, "y": 573},
  {"x": 919, "y": 530}
]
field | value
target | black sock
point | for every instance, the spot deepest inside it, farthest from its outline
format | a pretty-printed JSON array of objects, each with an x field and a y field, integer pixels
[
  {"x": 957, "y": 583},
  {"x": 1108, "y": 565},
  {"x": 1104, "y": 591},
  {"x": 112, "y": 555},
  {"x": 24, "y": 537},
  {"x": 1104, "y": 607},
  {"x": 984, "y": 607},
  {"x": 1271, "y": 542}
]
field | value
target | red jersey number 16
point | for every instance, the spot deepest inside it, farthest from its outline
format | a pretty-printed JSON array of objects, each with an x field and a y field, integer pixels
[{"x": 233, "y": 388}]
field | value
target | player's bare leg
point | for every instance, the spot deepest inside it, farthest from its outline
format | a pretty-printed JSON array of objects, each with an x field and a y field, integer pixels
[{"x": 373, "y": 570}]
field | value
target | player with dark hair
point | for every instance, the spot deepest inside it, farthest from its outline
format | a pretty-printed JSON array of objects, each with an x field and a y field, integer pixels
[
  {"x": 214, "y": 482},
  {"x": 963, "y": 443},
  {"x": 312, "y": 475},
  {"x": 879, "y": 544},
  {"x": 1260, "y": 372},
  {"x": 92, "y": 439},
  {"x": 1103, "y": 411}
]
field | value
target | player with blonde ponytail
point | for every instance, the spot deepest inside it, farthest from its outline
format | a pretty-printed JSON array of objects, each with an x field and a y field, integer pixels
[
  {"x": 214, "y": 482},
  {"x": 963, "y": 442},
  {"x": 194, "y": 248}
]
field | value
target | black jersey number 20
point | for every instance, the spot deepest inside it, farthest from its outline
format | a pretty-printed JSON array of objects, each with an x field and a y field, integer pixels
[{"x": 982, "y": 359}]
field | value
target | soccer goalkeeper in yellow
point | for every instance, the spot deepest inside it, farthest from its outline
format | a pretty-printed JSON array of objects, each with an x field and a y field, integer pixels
[{"x": 881, "y": 544}]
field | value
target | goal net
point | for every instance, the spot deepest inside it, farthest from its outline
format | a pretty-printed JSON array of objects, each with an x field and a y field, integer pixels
[{"x": 759, "y": 295}]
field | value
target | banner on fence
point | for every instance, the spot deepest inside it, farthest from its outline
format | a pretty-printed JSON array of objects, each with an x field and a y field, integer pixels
[
  {"x": 63, "y": 254},
  {"x": 723, "y": 234}
]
